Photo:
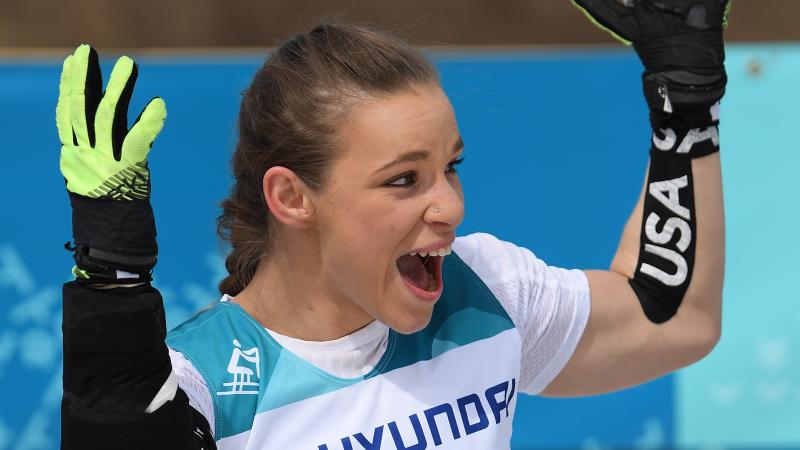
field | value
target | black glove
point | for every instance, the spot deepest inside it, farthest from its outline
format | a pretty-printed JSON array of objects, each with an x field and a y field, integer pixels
[{"x": 681, "y": 47}]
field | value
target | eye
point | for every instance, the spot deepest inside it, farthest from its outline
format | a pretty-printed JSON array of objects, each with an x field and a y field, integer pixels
[
  {"x": 404, "y": 180},
  {"x": 452, "y": 166}
]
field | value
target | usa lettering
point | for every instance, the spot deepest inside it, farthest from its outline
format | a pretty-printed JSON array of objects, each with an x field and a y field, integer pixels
[
  {"x": 694, "y": 136},
  {"x": 448, "y": 421},
  {"x": 668, "y": 194}
]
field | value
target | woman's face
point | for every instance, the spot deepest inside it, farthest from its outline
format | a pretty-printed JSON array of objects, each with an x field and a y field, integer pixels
[{"x": 392, "y": 191}]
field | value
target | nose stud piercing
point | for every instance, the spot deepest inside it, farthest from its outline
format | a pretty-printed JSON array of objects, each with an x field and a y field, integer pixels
[{"x": 436, "y": 210}]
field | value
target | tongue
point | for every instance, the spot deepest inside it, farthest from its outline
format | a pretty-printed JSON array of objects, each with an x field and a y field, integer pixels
[{"x": 411, "y": 268}]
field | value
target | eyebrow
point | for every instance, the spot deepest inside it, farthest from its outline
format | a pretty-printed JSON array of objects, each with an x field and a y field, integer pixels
[{"x": 418, "y": 155}]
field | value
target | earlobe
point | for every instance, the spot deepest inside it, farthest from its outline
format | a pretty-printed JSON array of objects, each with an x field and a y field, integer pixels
[{"x": 287, "y": 197}]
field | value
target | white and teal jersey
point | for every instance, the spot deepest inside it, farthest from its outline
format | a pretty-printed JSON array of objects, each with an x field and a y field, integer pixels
[{"x": 452, "y": 385}]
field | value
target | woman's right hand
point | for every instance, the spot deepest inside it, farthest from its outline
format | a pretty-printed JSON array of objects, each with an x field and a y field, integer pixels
[{"x": 105, "y": 167}]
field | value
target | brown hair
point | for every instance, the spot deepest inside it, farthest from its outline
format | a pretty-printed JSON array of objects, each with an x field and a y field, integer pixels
[{"x": 289, "y": 116}]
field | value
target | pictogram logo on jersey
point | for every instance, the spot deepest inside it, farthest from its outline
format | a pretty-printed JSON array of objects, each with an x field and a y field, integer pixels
[{"x": 245, "y": 379}]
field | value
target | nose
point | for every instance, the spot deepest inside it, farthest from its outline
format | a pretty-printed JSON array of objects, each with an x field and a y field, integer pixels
[{"x": 446, "y": 205}]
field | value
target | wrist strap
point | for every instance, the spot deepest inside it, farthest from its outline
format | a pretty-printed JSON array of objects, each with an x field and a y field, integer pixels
[
  {"x": 114, "y": 240},
  {"x": 683, "y": 100}
]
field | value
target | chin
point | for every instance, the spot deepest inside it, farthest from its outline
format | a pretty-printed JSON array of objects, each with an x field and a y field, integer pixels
[{"x": 411, "y": 323}]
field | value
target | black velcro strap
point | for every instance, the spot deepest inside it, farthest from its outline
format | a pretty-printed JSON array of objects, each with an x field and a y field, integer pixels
[{"x": 119, "y": 234}]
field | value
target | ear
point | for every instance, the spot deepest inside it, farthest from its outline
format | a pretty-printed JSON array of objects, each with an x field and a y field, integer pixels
[{"x": 288, "y": 198}]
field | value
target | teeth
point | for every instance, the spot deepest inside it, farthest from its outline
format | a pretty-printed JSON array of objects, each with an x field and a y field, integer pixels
[{"x": 444, "y": 251}]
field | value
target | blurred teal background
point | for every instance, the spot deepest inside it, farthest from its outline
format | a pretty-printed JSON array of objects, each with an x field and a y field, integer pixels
[
  {"x": 747, "y": 392},
  {"x": 556, "y": 146}
]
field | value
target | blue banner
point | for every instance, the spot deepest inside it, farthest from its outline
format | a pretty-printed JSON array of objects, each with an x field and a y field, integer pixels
[{"x": 556, "y": 148}]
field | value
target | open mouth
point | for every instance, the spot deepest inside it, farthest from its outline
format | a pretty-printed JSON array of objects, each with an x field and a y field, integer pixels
[{"x": 423, "y": 270}]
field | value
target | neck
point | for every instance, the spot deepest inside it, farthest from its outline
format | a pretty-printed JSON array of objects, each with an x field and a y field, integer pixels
[{"x": 289, "y": 295}]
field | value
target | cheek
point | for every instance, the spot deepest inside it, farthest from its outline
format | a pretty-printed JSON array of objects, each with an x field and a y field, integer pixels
[
  {"x": 362, "y": 232},
  {"x": 377, "y": 220},
  {"x": 373, "y": 236},
  {"x": 374, "y": 223}
]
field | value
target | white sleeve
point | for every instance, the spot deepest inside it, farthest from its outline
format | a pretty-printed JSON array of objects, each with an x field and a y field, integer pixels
[
  {"x": 548, "y": 305},
  {"x": 193, "y": 384}
]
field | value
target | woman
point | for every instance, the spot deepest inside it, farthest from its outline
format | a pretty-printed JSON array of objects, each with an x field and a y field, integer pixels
[{"x": 345, "y": 321}]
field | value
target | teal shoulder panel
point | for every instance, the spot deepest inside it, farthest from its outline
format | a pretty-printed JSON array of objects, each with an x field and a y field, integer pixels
[
  {"x": 467, "y": 312},
  {"x": 246, "y": 370},
  {"x": 228, "y": 352},
  {"x": 293, "y": 379},
  {"x": 289, "y": 378}
]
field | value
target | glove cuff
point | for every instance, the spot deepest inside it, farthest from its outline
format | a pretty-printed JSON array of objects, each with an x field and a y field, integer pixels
[
  {"x": 684, "y": 76},
  {"x": 684, "y": 100},
  {"x": 112, "y": 236}
]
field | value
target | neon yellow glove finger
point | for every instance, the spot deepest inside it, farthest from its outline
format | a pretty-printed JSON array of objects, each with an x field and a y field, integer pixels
[
  {"x": 111, "y": 121},
  {"x": 63, "y": 121},
  {"x": 86, "y": 87},
  {"x": 144, "y": 131}
]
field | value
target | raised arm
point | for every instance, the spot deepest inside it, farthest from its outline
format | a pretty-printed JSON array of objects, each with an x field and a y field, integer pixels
[
  {"x": 119, "y": 390},
  {"x": 659, "y": 306}
]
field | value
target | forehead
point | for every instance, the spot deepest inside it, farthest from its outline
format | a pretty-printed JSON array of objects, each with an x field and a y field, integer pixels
[{"x": 377, "y": 130}]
